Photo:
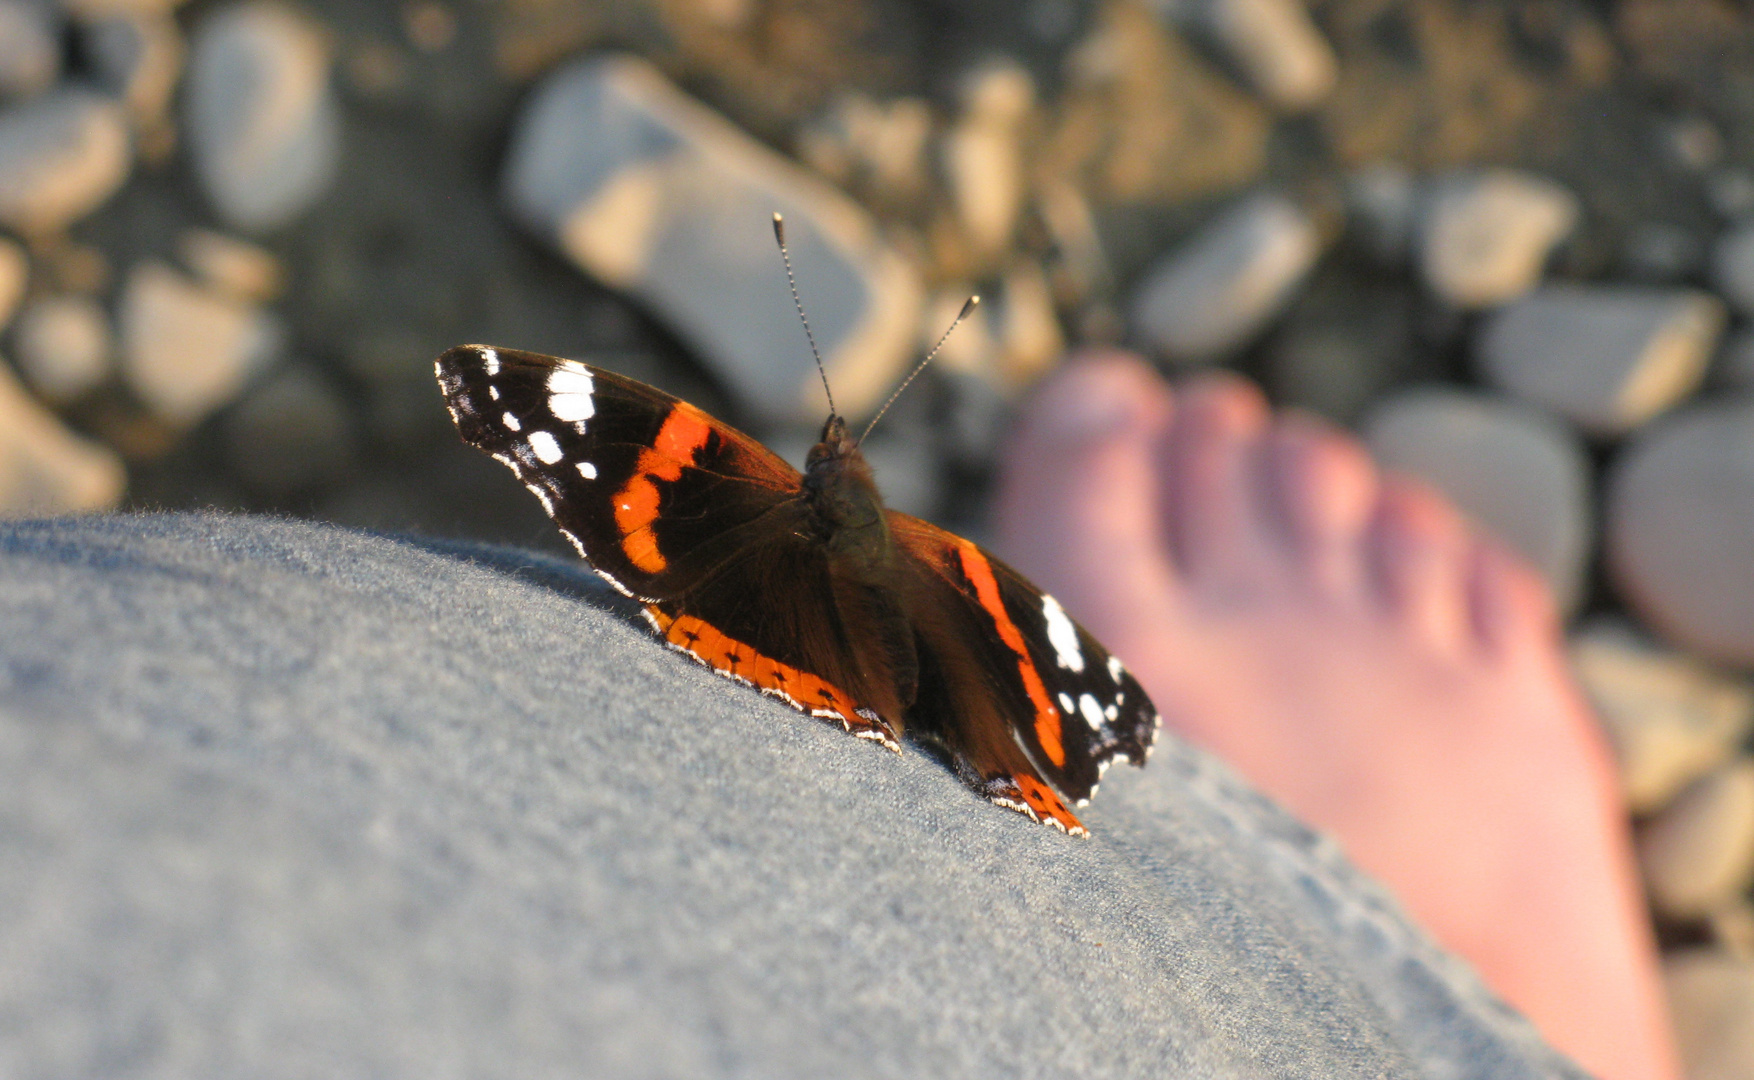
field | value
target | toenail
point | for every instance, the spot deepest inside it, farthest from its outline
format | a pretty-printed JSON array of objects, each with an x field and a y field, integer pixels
[{"x": 1084, "y": 409}]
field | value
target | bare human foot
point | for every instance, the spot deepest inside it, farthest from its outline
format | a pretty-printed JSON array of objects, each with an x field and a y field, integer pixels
[{"x": 1352, "y": 646}]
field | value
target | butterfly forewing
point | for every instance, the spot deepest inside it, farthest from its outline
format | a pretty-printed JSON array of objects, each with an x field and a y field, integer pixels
[{"x": 646, "y": 486}]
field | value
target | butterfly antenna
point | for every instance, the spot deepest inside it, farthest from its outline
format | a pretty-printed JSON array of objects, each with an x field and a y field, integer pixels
[
  {"x": 779, "y": 233},
  {"x": 967, "y": 309}
]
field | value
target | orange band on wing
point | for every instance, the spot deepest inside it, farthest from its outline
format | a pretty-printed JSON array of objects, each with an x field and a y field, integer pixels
[
  {"x": 1048, "y": 805},
  {"x": 685, "y": 430},
  {"x": 986, "y": 588},
  {"x": 708, "y": 644}
]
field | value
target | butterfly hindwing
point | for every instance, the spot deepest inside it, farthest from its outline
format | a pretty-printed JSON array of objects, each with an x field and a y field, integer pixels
[{"x": 1069, "y": 706}]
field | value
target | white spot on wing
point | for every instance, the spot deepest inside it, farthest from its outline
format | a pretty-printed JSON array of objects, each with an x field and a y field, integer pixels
[
  {"x": 490, "y": 362},
  {"x": 1090, "y": 710},
  {"x": 1113, "y": 712},
  {"x": 1062, "y": 634},
  {"x": 511, "y": 422},
  {"x": 493, "y": 392},
  {"x": 569, "y": 394},
  {"x": 1115, "y": 670},
  {"x": 587, "y": 470},
  {"x": 1067, "y": 705},
  {"x": 547, "y": 450}
]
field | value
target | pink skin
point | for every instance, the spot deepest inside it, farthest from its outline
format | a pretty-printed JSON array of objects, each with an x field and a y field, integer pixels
[{"x": 1353, "y": 646}]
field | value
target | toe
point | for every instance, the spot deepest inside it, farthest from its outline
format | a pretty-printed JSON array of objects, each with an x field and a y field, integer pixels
[
  {"x": 1323, "y": 486},
  {"x": 1213, "y": 503},
  {"x": 1419, "y": 548},
  {"x": 1074, "y": 504},
  {"x": 1510, "y": 606}
]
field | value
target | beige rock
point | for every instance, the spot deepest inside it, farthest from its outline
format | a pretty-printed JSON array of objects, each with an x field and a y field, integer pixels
[
  {"x": 1274, "y": 44},
  {"x": 187, "y": 350},
  {"x": 1697, "y": 855},
  {"x": 1222, "y": 286},
  {"x": 14, "y": 276},
  {"x": 871, "y": 144},
  {"x": 1680, "y": 527},
  {"x": 649, "y": 191},
  {"x": 44, "y": 467},
  {"x": 62, "y": 154},
  {"x": 97, "y": 9},
  {"x": 1711, "y": 996},
  {"x": 235, "y": 267},
  {"x": 1030, "y": 335},
  {"x": 1484, "y": 235},
  {"x": 63, "y": 346},
  {"x": 1517, "y": 472},
  {"x": 1607, "y": 357},
  {"x": 983, "y": 156},
  {"x": 1670, "y": 717}
]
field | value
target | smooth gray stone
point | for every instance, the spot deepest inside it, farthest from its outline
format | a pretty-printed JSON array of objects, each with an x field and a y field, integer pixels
[
  {"x": 263, "y": 125},
  {"x": 1520, "y": 473},
  {"x": 280, "y": 799},
  {"x": 651, "y": 192}
]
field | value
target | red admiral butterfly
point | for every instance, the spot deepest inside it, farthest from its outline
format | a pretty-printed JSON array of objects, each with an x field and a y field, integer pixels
[{"x": 804, "y": 585}]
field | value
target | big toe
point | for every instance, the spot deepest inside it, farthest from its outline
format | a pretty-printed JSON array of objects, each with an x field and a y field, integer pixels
[{"x": 1075, "y": 503}]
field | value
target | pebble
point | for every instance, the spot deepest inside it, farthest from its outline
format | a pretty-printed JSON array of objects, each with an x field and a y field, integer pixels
[
  {"x": 1734, "y": 367},
  {"x": 30, "y": 47},
  {"x": 1730, "y": 190},
  {"x": 983, "y": 156},
  {"x": 1219, "y": 288},
  {"x": 1031, "y": 340},
  {"x": 14, "y": 276},
  {"x": 187, "y": 350},
  {"x": 44, "y": 467},
  {"x": 290, "y": 434},
  {"x": 1732, "y": 267},
  {"x": 63, "y": 346},
  {"x": 879, "y": 145},
  {"x": 263, "y": 125},
  {"x": 97, "y": 9},
  {"x": 1656, "y": 251},
  {"x": 654, "y": 194},
  {"x": 1680, "y": 529},
  {"x": 1711, "y": 996},
  {"x": 1607, "y": 357},
  {"x": 62, "y": 153},
  {"x": 1484, "y": 235},
  {"x": 1522, "y": 475},
  {"x": 236, "y": 267},
  {"x": 1382, "y": 203},
  {"x": 1697, "y": 855},
  {"x": 1670, "y": 717},
  {"x": 1274, "y": 45},
  {"x": 137, "y": 57}
]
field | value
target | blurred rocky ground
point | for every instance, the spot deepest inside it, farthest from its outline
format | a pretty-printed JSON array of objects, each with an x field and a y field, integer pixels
[{"x": 1509, "y": 241}]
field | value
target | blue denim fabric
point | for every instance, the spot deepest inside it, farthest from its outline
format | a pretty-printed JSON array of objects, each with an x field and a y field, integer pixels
[{"x": 282, "y": 800}]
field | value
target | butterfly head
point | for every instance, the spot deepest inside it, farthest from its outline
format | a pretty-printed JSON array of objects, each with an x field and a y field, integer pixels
[{"x": 836, "y": 441}]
